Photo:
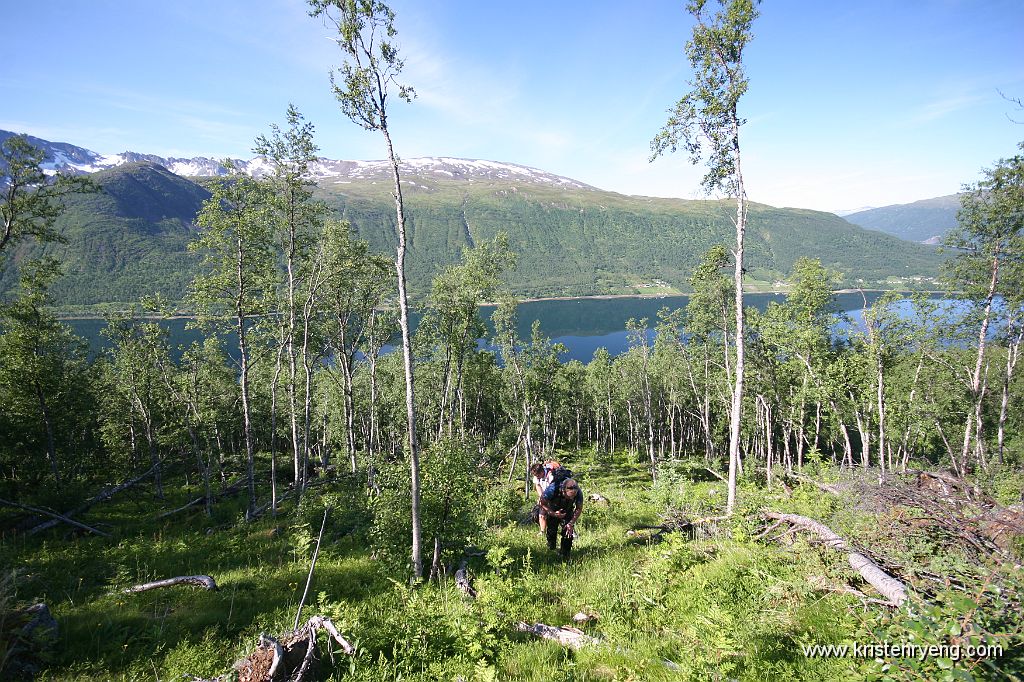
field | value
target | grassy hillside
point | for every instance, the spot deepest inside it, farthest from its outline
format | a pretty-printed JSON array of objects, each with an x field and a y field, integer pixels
[
  {"x": 726, "y": 604},
  {"x": 131, "y": 241}
]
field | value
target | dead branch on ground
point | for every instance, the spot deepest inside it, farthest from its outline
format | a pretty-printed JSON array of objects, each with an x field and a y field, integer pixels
[
  {"x": 960, "y": 513},
  {"x": 292, "y": 656},
  {"x": 824, "y": 487},
  {"x": 676, "y": 524},
  {"x": 463, "y": 579},
  {"x": 232, "y": 489},
  {"x": 204, "y": 581}
]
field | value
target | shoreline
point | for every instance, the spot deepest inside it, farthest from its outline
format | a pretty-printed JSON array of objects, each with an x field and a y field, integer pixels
[{"x": 541, "y": 299}]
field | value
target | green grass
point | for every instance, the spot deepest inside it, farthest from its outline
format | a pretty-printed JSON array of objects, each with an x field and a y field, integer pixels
[{"x": 725, "y": 606}]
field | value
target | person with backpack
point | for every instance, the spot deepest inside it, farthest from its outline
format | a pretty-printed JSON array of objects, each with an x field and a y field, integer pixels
[
  {"x": 561, "y": 505},
  {"x": 542, "y": 474}
]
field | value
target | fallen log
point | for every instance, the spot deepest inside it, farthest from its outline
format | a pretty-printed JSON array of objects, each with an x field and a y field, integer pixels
[
  {"x": 191, "y": 504},
  {"x": 262, "y": 509},
  {"x": 232, "y": 489},
  {"x": 566, "y": 636},
  {"x": 53, "y": 515},
  {"x": 822, "y": 583},
  {"x": 203, "y": 581},
  {"x": 714, "y": 473},
  {"x": 889, "y": 587},
  {"x": 104, "y": 494}
]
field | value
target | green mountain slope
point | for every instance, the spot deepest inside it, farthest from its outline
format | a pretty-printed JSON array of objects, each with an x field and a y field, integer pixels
[
  {"x": 123, "y": 243},
  {"x": 131, "y": 240},
  {"x": 922, "y": 221},
  {"x": 585, "y": 241}
]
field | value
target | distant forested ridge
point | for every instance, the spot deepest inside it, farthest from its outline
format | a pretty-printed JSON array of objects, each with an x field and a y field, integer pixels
[
  {"x": 130, "y": 240},
  {"x": 921, "y": 221}
]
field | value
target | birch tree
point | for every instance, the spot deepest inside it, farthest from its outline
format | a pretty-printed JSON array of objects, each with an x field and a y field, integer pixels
[
  {"x": 989, "y": 237},
  {"x": 706, "y": 123},
  {"x": 236, "y": 284},
  {"x": 363, "y": 87},
  {"x": 290, "y": 153}
]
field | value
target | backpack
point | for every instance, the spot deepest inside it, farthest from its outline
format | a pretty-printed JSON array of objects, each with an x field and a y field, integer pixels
[{"x": 560, "y": 474}]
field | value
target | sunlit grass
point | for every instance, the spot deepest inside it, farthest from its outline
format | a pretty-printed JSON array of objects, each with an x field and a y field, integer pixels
[{"x": 721, "y": 606}]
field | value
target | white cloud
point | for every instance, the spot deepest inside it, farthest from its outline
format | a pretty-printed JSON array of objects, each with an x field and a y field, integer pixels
[{"x": 945, "y": 106}]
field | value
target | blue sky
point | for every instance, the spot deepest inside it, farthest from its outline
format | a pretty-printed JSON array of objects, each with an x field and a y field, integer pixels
[{"x": 865, "y": 103}]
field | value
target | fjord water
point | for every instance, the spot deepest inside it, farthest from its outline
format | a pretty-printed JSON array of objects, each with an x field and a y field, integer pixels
[{"x": 582, "y": 325}]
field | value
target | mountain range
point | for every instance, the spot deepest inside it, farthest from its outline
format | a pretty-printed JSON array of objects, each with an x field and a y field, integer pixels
[
  {"x": 923, "y": 221},
  {"x": 571, "y": 238}
]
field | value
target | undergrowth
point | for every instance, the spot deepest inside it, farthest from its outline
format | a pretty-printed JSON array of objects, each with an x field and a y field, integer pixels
[{"x": 724, "y": 604}]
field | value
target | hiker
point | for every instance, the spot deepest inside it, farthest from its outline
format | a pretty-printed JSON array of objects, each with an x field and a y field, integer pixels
[
  {"x": 561, "y": 504},
  {"x": 542, "y": 475}
]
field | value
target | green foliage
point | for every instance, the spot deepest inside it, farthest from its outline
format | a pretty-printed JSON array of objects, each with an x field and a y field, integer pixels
[
  {"x": 683, "y": 608},
  {"x": 450, "y": 503},
  {"x": 957, "y": 636},
  {"x": 31, "y": 202},
  {"x": 705, "y": 120},
  {"x": 989, "y": 232},
  {"x": 46, "y": 387},
  {"x": 236, "y": 277},
  {"x": 366, "y": 33}
]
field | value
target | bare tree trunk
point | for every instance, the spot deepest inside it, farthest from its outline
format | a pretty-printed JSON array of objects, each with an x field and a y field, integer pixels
[
  {"x": 736, "y": 412},
  {"x": 348, "y": 403},
  {"x": 410, "y": 401},
  {"x": 447, "y": 373},
  {"x": 768, "y": 440},
  {"x": 976, "y": 391},
  {"x": 374, "y": 440},
  {"x": 865, "y": 436},
  {"x": 278, "y": 367},
  {"x": 800, "y": 439},
  {"x": 51, "y": 441},
  {"x": 880, "y": 382},
  {"x": 243, "y": 351},
  {"x": 1012, "y": 355},
  {"x": 891, "y": 588}
]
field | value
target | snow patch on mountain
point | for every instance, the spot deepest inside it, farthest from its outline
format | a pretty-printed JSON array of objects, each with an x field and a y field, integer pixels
[{"x": 67, "y": 158}]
